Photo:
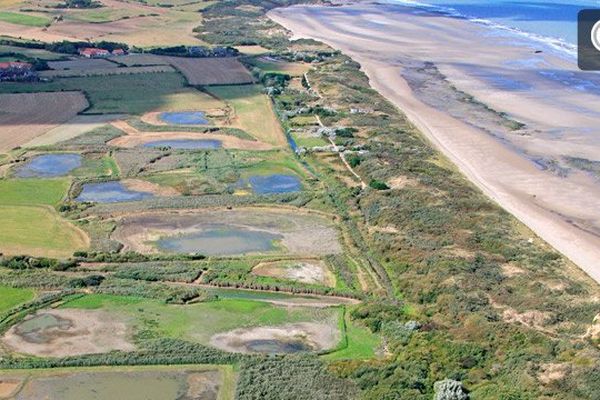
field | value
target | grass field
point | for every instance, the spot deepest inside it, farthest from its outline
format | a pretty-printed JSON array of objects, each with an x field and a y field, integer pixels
[
  {"x": 129, "y": 94},
  {"x": 38, "y": 231},
  {"x": 23, "y": 19},
  {"x": 30, "y": 225},
  {"x": 253, "y": 112},
  {"x": 36, "y": 53},
  {"x": 12, "y": 297},
  {"x": 267, "y": 65},
  {"x": 33, "y": 191}
]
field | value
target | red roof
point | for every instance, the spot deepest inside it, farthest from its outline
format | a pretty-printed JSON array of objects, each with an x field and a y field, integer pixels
[
  {"x": 14, "y": 64},
  {"x": 91, "y": 51},
  {"x": 118, "y": 51}
]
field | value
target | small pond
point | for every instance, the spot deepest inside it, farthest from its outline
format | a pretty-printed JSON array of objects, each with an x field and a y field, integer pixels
[
  {"x": 276, "y": 183},
  {"x": 220, "y": 241},
  {"x": 274, "y": 346},
  {"x": 187, "y": 144},
  {"x": 49, "y": 165},
  {"x": 184, "y": 118},
  {"x": 110, "y": 192},
  {"x": 36, "y": 329}
]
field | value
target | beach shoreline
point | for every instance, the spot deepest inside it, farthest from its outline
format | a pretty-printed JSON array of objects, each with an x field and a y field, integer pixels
[{"x": 564, "y": 210}]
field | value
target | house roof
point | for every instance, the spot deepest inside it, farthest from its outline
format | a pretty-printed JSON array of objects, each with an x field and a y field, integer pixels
[
  {"x": 92, "y": 51},
  {"x": 14, "y": 64},
  {"x": 118, "y": 51}
]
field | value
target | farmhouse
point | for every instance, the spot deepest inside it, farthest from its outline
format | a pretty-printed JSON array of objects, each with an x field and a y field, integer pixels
[
  {"x": 118, "y": 52},
  {"x": 16, "y": 71},
  {"x": 91, "y": 52}
]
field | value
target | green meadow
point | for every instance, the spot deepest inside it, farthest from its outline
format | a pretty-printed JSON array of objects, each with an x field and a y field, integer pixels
[
  {"x": 23, "y": 19},
  {"x": 12, "y": 297}
]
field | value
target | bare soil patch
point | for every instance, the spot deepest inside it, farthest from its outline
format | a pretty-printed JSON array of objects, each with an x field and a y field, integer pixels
[
  {"x": 289, "y": 338},
  {"x": 71, "y": 129},
  {"x": 305, "y": 271},
  {"x": 69, "y": 332},
  {"x": 212, "y": 71},
  {"x": 25, "y": 116},
  {"x": 9, "y": 387}
]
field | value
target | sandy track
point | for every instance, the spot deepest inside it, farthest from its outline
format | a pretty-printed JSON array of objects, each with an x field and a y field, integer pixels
[
  {"x": 25, "y": 116},
  {"x": 563, "y": 211}
]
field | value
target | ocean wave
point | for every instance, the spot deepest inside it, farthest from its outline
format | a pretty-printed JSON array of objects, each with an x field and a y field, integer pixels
[{"x": 558, "y": 44}]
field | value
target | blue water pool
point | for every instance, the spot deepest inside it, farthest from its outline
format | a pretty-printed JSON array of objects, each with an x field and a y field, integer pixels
[
  {"x": 276, "y": 183},
  {"x": 49, "y": 165},
  {"x": 184, "y": 118},
  {"x": 187, "y": 144},
  {"x": 110, "y": 192},
  {"x": 220, "y": 241}
]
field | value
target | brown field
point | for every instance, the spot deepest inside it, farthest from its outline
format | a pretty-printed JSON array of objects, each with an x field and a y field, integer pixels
[
  {"x": 69, "y": 332},
  {"x": 136, "y": 138},
  {"x": 26, "y": 116},
  {"x": 305, "y": 271},
  {"x": 212, "y": 71},
  {"x": 71, "y": 129},
  {"x": 82, "y": 64},
  {"x": 131, "y": 60},
  {"x": 69, "y": 73}
]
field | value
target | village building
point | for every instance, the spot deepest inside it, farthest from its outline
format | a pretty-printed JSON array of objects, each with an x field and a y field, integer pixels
[
  {"x": 118, "y": 52},
  {"x": 92, "y": 52},
  {"x": 17, "y": 71}
]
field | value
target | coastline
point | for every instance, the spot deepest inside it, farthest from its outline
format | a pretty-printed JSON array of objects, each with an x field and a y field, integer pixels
[{"x": 562, "y": 210}]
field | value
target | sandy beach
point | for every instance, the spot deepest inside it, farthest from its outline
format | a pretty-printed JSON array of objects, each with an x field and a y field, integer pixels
[{"x": 526, "y": 154}]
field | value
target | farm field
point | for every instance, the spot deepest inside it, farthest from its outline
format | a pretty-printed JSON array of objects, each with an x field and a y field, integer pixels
[
  {"x": 128, "y": 94},
  {"x": 206, "y": 382},
  {"x": 212, "y": 71},
  {"x": 24, "y": 19},
  {"x": 253, "y": 112},
  {"x": 26, "y": 116},
  {"x": 272, "y": 65}
]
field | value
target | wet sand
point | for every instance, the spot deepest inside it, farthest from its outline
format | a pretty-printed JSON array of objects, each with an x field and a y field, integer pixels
[{"x": 525, "y": 170}]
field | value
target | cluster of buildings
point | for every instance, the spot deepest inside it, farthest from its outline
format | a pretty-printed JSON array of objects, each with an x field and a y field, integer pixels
[
  {"x": 92, "y": 52},
  {"x": 17, "y": 71}
]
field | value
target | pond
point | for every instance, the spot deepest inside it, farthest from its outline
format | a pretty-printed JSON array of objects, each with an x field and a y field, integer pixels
[
  {"x": 187, "y": 144},
  {"x": 49, "y": 166},
  {"x": 110, "y": 192},
  {"x": 274, "y": 346},
  {"x": 184, "y": 118},
  {"x": 220, "y": 241},
  {"x": 276, "y": 183}
]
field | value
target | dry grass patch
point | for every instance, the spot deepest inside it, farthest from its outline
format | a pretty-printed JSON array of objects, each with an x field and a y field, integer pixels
[
  {"x": 306, "y": 271},
  {"x": 25, "y": 116},
  {"x": 212, "y": 71}
]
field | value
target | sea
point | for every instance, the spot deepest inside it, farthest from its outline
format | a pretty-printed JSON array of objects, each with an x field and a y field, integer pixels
[{"x": 553, "y": 22}]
